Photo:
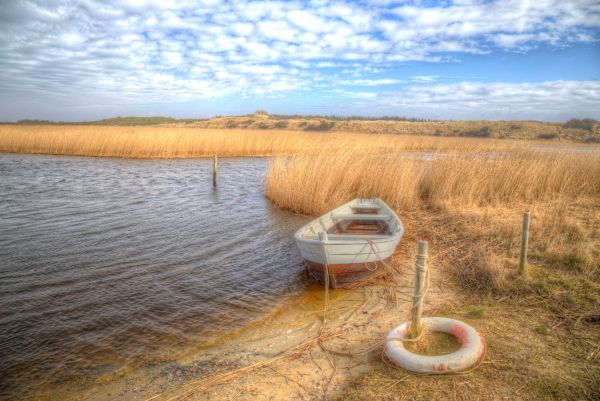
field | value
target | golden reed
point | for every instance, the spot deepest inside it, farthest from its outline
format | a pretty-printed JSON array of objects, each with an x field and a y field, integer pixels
[
  {"x": 168, "y": 142},
  {"x": 314, "y": 183},
  {"x": 314, "y": 171}
]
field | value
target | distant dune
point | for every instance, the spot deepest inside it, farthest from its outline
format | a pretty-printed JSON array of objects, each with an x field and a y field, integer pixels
[
  {"x": 481, "y": 129},
  {"x": 585, "y": 130}
]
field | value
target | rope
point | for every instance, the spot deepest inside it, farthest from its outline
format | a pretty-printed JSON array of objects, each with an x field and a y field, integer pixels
[
  {"x": 373, "y": 245},
  {"x": 204, "y": 384},
  {"x": 376, "y": 251},
  {"x": 322, "y": 328}
]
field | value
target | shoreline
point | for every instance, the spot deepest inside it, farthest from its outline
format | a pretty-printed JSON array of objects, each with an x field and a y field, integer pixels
[
  {"x": 251, "y": 364},
  {"x": 472, "y": 221},
  {"x": 354, "y": 315}
]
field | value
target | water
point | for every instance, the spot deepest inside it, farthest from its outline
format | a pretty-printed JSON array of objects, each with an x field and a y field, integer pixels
[
  {"x": 571, "y": 148},
  {"x": 106, "y": 263}
]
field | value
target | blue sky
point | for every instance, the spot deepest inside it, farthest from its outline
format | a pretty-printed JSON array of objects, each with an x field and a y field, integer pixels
[{"x": 88, "y": 59}]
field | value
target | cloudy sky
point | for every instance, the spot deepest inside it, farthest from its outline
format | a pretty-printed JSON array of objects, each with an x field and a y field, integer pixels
[{"x": 464, "y": 59}]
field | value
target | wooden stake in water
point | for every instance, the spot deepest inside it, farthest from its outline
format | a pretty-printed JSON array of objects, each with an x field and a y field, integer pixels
[
  {"x": 524, "y": 243},
  {"x": 420, "y": 280},
  {"x": 215, "y": 171}
]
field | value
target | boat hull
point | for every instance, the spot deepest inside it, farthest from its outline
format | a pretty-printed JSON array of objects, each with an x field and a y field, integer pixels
[
  {"x": 344, "y": 275},
  {"x": 351, "y": 240}
]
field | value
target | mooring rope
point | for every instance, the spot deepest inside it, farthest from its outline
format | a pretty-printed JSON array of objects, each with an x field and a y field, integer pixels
[
  {"x": 204, "y": 384},
  {"x": 376, "y": 251}
]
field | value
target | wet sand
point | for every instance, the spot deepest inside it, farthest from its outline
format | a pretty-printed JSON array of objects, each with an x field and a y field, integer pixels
[{"x": 291, "y": 363}]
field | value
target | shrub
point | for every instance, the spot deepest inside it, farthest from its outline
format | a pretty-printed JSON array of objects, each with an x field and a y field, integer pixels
[
  {"x": 586, "y": 124},
  {"x": 484, "y": 132},
  {"x": 323, "y": 125},
  {"x": 261, "y": 113}
]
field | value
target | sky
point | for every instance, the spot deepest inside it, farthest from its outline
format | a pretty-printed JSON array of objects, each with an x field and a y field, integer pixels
[{"x": 467, "y": 59}]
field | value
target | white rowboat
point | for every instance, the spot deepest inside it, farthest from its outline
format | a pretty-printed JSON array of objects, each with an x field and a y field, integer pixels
[{"x": 350, "y": 240}]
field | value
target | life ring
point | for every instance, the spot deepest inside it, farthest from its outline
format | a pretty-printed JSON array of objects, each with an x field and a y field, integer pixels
[{"x": 469, "y": 355}]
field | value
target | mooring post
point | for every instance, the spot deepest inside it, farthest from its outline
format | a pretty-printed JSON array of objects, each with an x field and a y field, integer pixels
[
  {"x": 215, "y": 171},
  {"x": 524, "y": 243},
  {"x": 420, "y": 280}
]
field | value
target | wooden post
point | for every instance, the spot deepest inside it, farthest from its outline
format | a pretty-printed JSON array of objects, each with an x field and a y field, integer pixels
[
  {"x": 524, "y": 243},
  {"x": 215, "y": 171},
  {"x": 420, "y": 280}
]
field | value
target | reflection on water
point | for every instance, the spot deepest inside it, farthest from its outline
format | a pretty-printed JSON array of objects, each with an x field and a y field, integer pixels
[
  {"x": 571, "y": 148},
  {"x": 107, "y": 262}
]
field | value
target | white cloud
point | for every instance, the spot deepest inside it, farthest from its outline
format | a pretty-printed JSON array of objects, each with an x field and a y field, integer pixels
[
  {"x": 167, "y": 51},
  {"x": 278, "y": 30},
  {"x": 355, "y": 95},
  {"x": 424, "y": 78},
  {"x": 309, "y": 21},
  {"x": 551, "y": 100},
  {"x": 371, "y": 82},
  {"x": 506, "y": 23}
]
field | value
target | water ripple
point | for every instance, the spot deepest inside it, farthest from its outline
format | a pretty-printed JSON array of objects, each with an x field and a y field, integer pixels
[{"x": 106, "y": 262}]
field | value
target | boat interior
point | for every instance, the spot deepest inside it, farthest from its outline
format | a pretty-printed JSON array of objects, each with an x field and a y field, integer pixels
[
  {"x": 364, "y": 220},
  {"x": 360, "y": 227}
]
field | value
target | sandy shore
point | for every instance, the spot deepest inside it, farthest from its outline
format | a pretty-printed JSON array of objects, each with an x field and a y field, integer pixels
[{"x": 280, "y": 358}]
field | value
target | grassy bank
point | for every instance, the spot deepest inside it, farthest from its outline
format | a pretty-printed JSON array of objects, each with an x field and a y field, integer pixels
[
  {"x": 465, "y": 195},
  {"x": 541, "y": 327}
]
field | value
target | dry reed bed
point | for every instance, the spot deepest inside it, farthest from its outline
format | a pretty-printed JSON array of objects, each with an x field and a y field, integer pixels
[
  {"x": 468, "y": 205},
  {"x": 167, "y": 142},
  {"x": 313, "y": 183},
  {"x": 464, "y": 195}
]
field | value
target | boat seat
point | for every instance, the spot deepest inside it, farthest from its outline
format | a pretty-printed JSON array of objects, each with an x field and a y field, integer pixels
[
  {"x": 365, "y": 207},
  {"x": 361, "y": 216},
  {"x": 363, "y": 237}
]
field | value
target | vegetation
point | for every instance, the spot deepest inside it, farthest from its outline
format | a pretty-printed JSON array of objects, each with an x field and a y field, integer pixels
[
  {"x": 404, "y": 126},
  {"x": 134, "y": 121},
  {"x": 322, "y": 125},
  {"x": 468, "y": 205},
  {"x": 110, "y": 121},
  {"x": 465, "y": 195},
  {"x": 587, "y": 124},
  {"x": 333, "y": 117},
  {"x": 313, "y": 183},
  {"x": 575, "y": 130},
  {"x": 110, "y": 141}
]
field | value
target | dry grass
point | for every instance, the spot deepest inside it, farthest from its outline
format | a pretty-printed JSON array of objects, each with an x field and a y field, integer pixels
[
  {"x": 313, "y": 183},
  {"x": 524, "y": 361},
  {"x": 168, "y": 142},
  {"x": 463, "y": 195},
  {"x": 146, "y": 142},
  {"x": 468, "y": 205},
  {"x": 478, "y": 129}
]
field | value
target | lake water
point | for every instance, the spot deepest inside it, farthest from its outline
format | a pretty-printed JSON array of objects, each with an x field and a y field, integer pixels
[{"x": 106, "y": 263}]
